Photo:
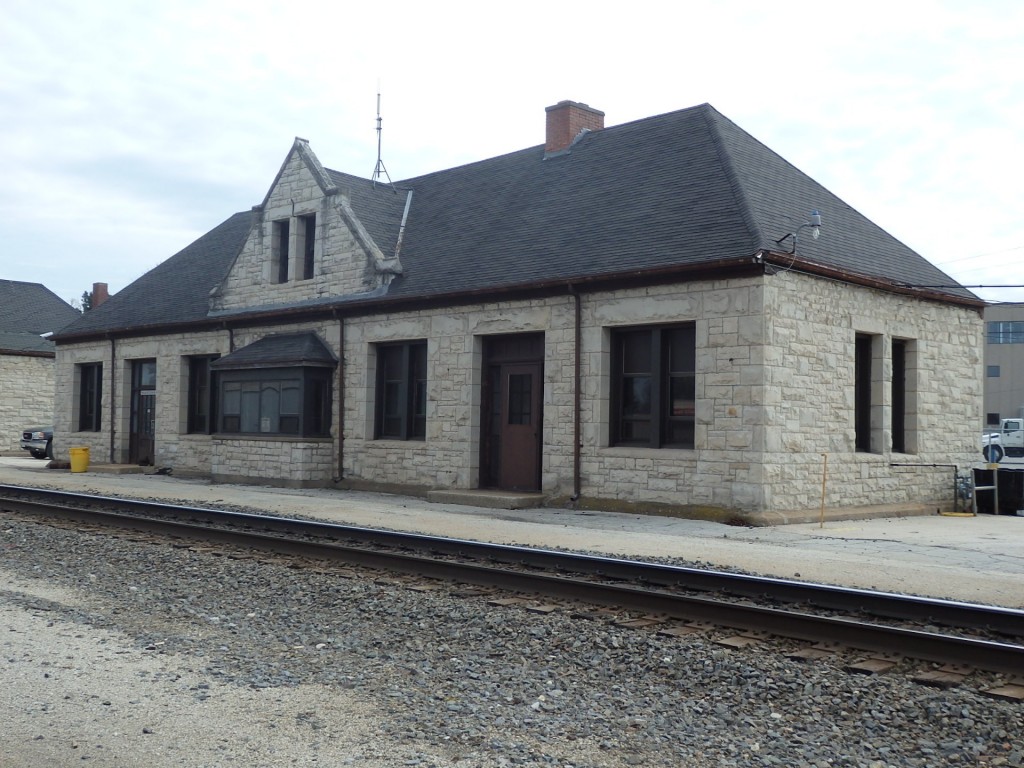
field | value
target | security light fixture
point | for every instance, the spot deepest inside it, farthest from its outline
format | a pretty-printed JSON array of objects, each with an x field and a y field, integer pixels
[{"x": 814, "y": 224}]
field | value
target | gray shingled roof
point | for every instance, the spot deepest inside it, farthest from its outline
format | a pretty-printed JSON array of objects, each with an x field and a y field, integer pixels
[
  {"x": 681, "y": 188},
  {"x": 280, "y": 349},
  {"x": 175, "y": 291},
  {"x": 33, "y": 308},
  {"x": 14, "y": 342},
  {"x": 684, "y": 188}
]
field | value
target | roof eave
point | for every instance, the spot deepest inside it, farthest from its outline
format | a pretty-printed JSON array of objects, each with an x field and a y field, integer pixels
[
  {"x": 789, "y": 261},
  {"x": 733, "y": 267}
]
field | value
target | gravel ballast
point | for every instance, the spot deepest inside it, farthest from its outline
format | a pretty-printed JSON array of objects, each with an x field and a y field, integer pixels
[{"x": 122, "y": 653}]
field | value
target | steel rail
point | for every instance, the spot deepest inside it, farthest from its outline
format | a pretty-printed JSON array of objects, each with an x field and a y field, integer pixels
[
  {"x": 1008, "y": 622},
  {"x": 981, "y": 654}
]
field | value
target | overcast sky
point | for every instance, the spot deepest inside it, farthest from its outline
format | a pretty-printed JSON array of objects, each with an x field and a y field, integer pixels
[{"x": 127, "y": 129}]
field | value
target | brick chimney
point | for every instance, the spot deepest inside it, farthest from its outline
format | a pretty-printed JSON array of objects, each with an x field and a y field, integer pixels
[
  {"x": 99, "y": 294},
  {"x": 566, "y": 120}
]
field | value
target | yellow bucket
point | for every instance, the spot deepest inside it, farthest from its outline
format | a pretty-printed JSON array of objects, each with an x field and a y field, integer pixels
[{"x": 79, "y": 459}]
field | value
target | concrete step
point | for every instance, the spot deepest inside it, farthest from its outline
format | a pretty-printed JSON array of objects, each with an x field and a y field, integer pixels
[
  {"x": 118, "y": 469},
  {"x": 488, "y": 499}
]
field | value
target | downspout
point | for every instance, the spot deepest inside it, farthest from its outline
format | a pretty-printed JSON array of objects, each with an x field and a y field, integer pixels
[
  {"x": 113, "y": 394},
  {"x": 341, "y": 400},
  {"x": 577, "y": 377}
]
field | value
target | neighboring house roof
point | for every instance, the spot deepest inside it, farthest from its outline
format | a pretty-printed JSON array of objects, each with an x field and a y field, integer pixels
[
  {"x": 670, "y": 192},
  {"x": 22, "y": 343},
  {"x": 279, "y": 350},
  {"x": 33, "y": 308}
]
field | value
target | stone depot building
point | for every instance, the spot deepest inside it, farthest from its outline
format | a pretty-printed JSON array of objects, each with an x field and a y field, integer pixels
[{"x": 631, "y": 316}]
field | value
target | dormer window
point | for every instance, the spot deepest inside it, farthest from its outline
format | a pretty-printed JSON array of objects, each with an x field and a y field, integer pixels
[{"x": 280, "y": 249}]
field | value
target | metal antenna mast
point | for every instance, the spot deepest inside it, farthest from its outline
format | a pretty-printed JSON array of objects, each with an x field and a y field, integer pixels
[{"x": 379, "y": 168}]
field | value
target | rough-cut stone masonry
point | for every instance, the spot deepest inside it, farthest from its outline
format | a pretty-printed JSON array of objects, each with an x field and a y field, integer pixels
[
  {"x": 775, "y": 364},
  {"x": 26, "y": 396},
  {"x": 343, "y": 263}
]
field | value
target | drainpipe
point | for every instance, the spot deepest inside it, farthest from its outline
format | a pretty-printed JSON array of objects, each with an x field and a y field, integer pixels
[
  {"x": 577, "y": 397},
  {"x": 341, "y": 399},
  {"x": 113, "y": 394}
]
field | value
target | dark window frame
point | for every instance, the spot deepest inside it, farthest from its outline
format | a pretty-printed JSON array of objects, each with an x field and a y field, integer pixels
[
  {"x": 863, "y": 385},
  {"x": 281, "y": 237},
  {"x": 308, "y": 245},
  {"x": 654, "y": 368},
  {"x": 900, "y": 354},
  {"x": 993, "y": 371},
  {"x": 304, "y": 414},
  {"x": 90, "y": 397},
  {"x": 401, "y": 392},
  {"x": 201, "y": 400}
]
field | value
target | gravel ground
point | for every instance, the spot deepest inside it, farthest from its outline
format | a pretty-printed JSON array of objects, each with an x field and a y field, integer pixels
[{"x": 121, "y": 653}]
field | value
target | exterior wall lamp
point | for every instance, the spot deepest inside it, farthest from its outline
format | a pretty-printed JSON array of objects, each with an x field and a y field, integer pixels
[{"x": 814, "y": 225}]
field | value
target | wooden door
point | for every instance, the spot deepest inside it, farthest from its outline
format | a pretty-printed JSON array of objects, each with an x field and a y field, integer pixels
[
  {"x": 141, "y": 442},
  {"x": 511, "y": 447},
  {"x": 520, "y": 427}
]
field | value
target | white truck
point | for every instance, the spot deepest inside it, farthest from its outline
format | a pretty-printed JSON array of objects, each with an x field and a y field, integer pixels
[{"x": 1008, "y": 441}]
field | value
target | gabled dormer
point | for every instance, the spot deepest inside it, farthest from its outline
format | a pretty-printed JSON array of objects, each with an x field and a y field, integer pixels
[{"x": 309, "y": 244}]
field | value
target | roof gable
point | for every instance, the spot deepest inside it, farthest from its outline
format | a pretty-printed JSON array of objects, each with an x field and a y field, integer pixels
[{"x": 308, "y": 242}]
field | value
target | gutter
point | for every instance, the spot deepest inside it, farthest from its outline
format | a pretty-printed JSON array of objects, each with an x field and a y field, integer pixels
[
  {"x": 787, "y": 262},
  {"x": 760, "y": 263},
  {"x": 380, "y": 304}
]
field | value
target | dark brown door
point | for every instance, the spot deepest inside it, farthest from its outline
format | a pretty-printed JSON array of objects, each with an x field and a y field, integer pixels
[
  {"x": 511, "y": 450},
  {"x": 520, "y": 427},
  {"x": 143, "y": 427}
]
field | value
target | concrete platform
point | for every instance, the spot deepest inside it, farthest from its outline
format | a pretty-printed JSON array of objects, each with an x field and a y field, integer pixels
[{"x": 973, "y": 559}]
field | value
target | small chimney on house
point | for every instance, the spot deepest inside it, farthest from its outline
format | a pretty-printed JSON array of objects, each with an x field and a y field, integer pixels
[
  {"x": 99, "y": 294},
  {"x": 566, "y": 120}
]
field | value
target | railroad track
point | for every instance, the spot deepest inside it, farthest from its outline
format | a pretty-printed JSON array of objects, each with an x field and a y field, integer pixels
[{"x": 973, "y": 636}]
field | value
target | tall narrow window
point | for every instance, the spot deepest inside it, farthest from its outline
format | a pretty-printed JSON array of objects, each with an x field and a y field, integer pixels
[
  {"x": 280, "y": 249},
  {"x": 90, "y": 396},
  {"x": 899, "y": 396},
  {"x": 308, "y": 229},
  {"x": 200, "y": 394},
  {"x": 862, "y": 392},
  {"x": 402, "y": 391},
  {"x": 654, "y": 386}
]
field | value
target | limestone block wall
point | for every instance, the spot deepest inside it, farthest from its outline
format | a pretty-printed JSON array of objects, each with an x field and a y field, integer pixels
[
  {"x": 26, "y": 397},
  {"x": 811, "y": 330},
  {"x": 730, "y": 410},
  {"x": 341, "y": 265},
  {"x": 174, "y": 447},
  {"x": 724, "y": 469},
  {"x": 66, "y": 433},
  {"x": 449, "y": 456},
  {"x": 185, "y": 453},
  {"x": 292, "y": 463},
  {"x": 775, "y": 393}
]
